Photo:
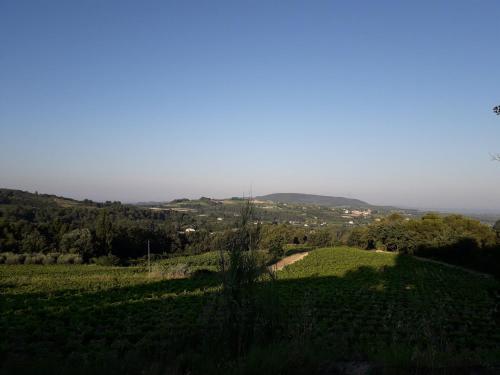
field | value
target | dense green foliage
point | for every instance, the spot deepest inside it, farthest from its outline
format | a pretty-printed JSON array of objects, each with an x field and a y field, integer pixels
[
  {"x": 453, "y": 238},
  {"x": 336, "y": 304},
  {"x": 46, "y": 229},
  {"x": 30, "y": 223}
]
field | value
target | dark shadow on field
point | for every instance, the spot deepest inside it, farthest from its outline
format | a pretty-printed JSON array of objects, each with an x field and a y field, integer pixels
[
  {"x": 467, "y": 253},
  {"x": 388, "y": 314},
  {"x": 149, "y": 318}
]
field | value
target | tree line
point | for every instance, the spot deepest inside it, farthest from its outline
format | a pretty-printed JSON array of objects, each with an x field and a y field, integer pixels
[
  {"x": 76, "y": 232},
  {"x": 35, "y": 230},
  {"x": 453, "y": 238}
]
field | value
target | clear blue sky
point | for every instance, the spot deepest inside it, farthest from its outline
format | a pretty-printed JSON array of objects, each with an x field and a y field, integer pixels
[{"x": 386, "y": 101}]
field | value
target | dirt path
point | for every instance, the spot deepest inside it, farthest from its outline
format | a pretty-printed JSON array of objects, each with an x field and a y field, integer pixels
[{"x": 278, "y": 266}]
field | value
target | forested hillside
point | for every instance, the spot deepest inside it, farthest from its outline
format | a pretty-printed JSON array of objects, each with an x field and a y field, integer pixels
[
  {"x": 32, "y": 223},
  {"x": 56, "y": 229},
  {"x": 39, "y": 228},
  {"x": 321, "y": 200}
]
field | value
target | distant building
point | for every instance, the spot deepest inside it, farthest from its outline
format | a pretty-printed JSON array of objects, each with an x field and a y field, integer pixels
[
  {"x": 189, "y": 230},
  {"x": 219, "y": 219}
]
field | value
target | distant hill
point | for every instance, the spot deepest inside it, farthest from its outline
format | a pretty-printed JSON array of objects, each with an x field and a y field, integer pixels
[
  {"x": 25, "y": 198},
  {"x": 321, "y": 200}
]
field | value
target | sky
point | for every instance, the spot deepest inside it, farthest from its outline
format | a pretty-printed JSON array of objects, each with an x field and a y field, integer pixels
[{"x": 386, "y": 101}]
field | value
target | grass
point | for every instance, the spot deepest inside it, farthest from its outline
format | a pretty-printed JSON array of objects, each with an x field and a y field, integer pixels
[{"x": 351, "y": 304}]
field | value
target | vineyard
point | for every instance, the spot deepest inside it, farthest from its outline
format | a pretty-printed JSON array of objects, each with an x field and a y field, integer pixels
[
  {"x": 391, "y": 309},
  {"x": 395, "y": 308},
  {"x": 79, "y": 315}
]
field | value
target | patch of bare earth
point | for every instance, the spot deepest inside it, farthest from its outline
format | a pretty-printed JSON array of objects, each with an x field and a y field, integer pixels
[{"x": 278, "y": 266}]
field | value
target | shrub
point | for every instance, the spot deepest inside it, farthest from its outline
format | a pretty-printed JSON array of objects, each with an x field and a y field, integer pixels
[
  {"x": 34, "y": 259},
  {"x": 2, "y": 258},
  {"x": 51, "y": 258},
  {"x": 69, "y": 259},
  {"x": 107, "y": 260},
  {"x": 14, "y": 258}
]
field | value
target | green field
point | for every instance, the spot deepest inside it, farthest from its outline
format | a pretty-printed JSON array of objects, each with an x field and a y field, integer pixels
[
  {"x": 394, "y": 310},
  {"x": 397, "y": 308}
]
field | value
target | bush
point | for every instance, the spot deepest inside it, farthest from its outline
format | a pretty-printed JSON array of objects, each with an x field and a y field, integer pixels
[
  {"x": 69, "y": 259},
  {"x": 2, "y": 258},
  {"x": 34, "y": 259},
  {"x": 51, "y": 258},
  {"x": 107, "y": 260},
  {"x": 14, "y": 258}
]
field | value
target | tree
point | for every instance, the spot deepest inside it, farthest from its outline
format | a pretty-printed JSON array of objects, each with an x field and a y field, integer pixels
[
  {"x": 276, "y": 246},
  {"x": 34, "y": 243},
  {"x": 240, "y": 270},
  {"x": 78, "y": 241},
  {"x": 104, "y": 231},
  {"x": 496, "y": 228},
  {"x": 321, "y": 238}
]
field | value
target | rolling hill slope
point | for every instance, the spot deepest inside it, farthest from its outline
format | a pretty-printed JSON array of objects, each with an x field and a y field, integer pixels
[{"x": 320, "y": 200}]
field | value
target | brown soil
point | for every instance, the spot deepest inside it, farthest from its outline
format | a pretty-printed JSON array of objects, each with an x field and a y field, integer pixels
[{"x": 278, "y": 266}]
